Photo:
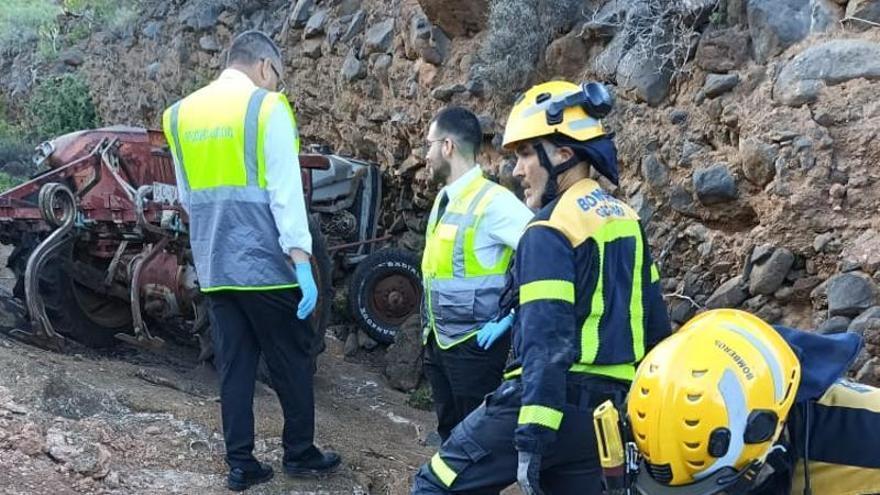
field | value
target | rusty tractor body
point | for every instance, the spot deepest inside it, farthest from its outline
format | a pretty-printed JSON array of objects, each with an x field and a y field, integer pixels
[
  {"x": 101, "y": 243},
  {"x": 102, "y": 253}
]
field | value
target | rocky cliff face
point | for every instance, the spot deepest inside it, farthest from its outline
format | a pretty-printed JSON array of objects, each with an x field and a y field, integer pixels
[{"x": 747, "y": 129}]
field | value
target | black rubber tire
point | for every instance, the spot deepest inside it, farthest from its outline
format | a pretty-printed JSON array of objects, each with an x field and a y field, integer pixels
[
  {"x": 372, "y": 270},
  {"x": 322, "y": 269},
  {"x": 61, "y": 298}
]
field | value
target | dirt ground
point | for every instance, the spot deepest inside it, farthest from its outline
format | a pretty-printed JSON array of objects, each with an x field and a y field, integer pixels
[{"x": 139, "y": 422}]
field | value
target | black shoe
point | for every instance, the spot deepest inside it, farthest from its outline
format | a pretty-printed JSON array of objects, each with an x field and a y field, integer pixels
[
  {"x": 314, "y": 463},
  {"x": 239, "y": 479}
]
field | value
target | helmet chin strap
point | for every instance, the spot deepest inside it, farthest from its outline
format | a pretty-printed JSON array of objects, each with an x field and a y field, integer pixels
[{"x": 551, "y": 190}]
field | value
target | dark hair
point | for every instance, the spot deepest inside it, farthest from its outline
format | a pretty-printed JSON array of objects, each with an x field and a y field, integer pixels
[
  {"x": 463, "y": 126},
  {"x": 251, "y": 47}
]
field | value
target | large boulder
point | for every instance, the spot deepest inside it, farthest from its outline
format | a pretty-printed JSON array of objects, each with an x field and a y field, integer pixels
[
  {"x": 646, "y": 74},
  {"x": 774, "y": 25},
  {"x": 829, "y": 63},
  {"x": 457, "y": 17},
  {"x": 849, "y": 294},
  {"x": 403, "y": 360},
  {"x": 566, "y": 56}
]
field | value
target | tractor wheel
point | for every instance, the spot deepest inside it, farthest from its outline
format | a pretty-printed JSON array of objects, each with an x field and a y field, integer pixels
[
  {"x": 385, "y": 290},
  {"x": 74, "y": 310}
]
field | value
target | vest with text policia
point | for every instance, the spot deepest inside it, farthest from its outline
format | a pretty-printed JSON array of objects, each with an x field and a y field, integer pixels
[{"x": 217, "y": 135}]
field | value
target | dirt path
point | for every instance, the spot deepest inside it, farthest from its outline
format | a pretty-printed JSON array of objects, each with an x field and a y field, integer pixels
[{"x": 136, "y": 422}]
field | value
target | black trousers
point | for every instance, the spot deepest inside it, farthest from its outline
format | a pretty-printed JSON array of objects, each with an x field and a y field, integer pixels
[
  {"x": 244, "y": 325},
  {"x": 461, "y": 376},
  {"x": 480, "y": 457}
]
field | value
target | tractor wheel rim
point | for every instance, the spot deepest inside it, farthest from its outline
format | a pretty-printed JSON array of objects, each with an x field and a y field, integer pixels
[{"x": 394, "y": 298}]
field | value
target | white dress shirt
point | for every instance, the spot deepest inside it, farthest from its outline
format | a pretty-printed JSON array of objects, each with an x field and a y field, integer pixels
[{"x": 283, "y": 180}]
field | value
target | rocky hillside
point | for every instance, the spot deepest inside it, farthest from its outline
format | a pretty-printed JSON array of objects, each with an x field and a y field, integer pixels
[{"x": 747, "y": 128}]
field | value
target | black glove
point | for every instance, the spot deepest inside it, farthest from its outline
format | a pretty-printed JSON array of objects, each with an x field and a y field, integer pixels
[{"x": 528, "y": 473}]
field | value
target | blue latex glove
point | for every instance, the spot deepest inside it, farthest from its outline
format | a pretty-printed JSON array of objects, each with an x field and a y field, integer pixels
[
  {"x": 309, "y": 290},
  {"x": 490, "y": 332}
]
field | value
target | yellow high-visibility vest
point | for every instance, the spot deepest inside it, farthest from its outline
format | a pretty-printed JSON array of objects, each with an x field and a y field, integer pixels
[
  {"x": 217, "y": 135},
  {"x": 460, "y": 293}
]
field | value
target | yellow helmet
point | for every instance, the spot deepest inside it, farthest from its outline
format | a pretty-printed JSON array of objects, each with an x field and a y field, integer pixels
[
  {"x": 558, "y": 107},
  {"x": 712, "y": 396}
]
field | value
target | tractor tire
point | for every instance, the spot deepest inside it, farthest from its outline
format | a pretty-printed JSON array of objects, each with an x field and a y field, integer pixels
[
  {"x": 385, "y": 289},
  {"x": 74, "y": 310},
  {"x": 322, "y": 269}
]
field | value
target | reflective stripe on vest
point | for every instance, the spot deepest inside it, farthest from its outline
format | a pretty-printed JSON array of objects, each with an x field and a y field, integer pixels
[
  {"x": 217, "y": 135},
  {"x": 460, "y": 292}
]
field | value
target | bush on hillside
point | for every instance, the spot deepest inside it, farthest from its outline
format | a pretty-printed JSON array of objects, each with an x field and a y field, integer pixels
[
  {"x": 25, "y": 21},
  {"x": 518, "y": 33},
  {"x": 112, "y": 14},
  {"x": 14, "y": 153},
  {"x": 60, "y": 105}
]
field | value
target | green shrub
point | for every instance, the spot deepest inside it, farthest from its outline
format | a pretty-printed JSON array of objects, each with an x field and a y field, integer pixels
[
  {"x": 421, "y": 398},
  {"x": 13, "y": 150},
  {"x": 112, "y": 14},
  {"x": 8, "y": 182},
  {"x": 60, "y": 105},
  {"x": 24, "y": 21},
  {"x": 518, "y": 33}
]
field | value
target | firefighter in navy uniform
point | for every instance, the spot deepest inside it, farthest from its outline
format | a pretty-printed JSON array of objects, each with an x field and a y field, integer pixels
[{"x": 588, "y": 308}]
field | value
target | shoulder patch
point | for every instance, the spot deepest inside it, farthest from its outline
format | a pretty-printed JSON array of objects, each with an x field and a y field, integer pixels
[{"x": 584, "y": 209}]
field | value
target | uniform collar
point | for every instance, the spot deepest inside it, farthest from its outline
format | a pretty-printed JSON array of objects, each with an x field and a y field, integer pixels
[
  {"x": 458, "y": 185},
  {"x": 235, "y": 75}
]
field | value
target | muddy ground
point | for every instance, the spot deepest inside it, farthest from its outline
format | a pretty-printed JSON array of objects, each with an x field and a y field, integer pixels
[{"x": 138, "y": 422}]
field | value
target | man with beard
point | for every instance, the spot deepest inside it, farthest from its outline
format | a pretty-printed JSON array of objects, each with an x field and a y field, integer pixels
[
  {"x": 589, "y": 307},
  {"x": 473, "y": 228}
]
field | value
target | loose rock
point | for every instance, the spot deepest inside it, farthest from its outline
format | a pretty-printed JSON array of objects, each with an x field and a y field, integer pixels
[
  {"x": 865, "y": 320},
  {"x": 849, "y": 294},
  {"x": 718, "y": 84},
  {"x": 378, "y": 38},
  {"x": 829, "y": 63},
  {"x": 730, "y": 294},
  {"x": 353, "y": 68},
  {"x": 835, "y": 324},
  {"x": 715, "y": 184},
  {"x": 315, "y": 24},
  {"x": 768, "y": 276},
  {"x": 655, "y": 172},
  {"x": 403, "y": 359},
  {"x": 301, "y": 13}
]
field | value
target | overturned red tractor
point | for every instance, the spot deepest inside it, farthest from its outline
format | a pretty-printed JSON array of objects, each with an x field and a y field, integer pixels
[{"x": 102, "y": 252}]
